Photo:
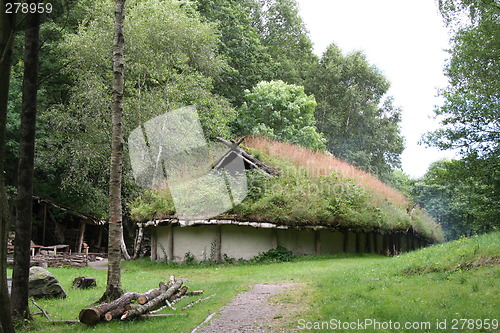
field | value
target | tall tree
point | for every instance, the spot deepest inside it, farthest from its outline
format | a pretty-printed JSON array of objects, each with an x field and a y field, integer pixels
[
  {"x": 281, "y": 111},
  {"x": 7, "y": 28},
  {"x": 79, "y": 175},
  {"x": 24, "y": 201},
  {"x": 114, "y": 285},
  {"x": 470, "y": 113},
  {"x": 240, "y": 43},
  {"x": 459, "y": 199},
  {"x": 286, "y": 38},
  {"x": 359, "y": 121}
]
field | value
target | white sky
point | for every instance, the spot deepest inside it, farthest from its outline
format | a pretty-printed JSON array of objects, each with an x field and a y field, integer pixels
[{"x": 406, "y": 39}]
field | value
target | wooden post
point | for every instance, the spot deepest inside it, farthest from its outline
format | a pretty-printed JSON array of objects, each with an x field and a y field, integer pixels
[
  {"x": 392, "y": 249},
  {"x": 385, "y": 244},
  {"x": 99, "y": 237},
  {"x": 218, "y": 239},
  {"x": 358, "y": 242},
  {"x": 274, "y": 239},
  {"x": 317, "y": 242},
  {"x": 44, "y": 222},
  {"x": 375, "y": 242},
  {"x": 368, "y": 245},
  {"x": 80, "y": 239},
  {"x": 170, "y": 243},
  {"x": 346, "y": 241},
  {"x": 138, "y": 241},
  {"x": 154, "y": 242}
]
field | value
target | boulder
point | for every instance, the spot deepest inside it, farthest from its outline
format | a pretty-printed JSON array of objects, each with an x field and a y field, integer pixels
[{"x": 42, "y": 284}]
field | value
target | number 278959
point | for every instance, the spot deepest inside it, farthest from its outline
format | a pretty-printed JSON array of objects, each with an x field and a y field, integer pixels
[{"x": 25, "y": 8}]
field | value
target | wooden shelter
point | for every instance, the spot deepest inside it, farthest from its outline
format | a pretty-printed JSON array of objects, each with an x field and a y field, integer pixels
[{"x": 62, "y": 225}]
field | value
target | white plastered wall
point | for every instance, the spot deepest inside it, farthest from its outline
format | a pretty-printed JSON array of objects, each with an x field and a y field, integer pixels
[
  {"x": 244, "y": 242},
  {"x": 247, "y": 242},
  {"x": 331, "y": 242}
]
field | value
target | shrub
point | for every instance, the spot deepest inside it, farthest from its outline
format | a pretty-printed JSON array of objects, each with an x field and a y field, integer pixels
[{"x": 279, "y": 254}]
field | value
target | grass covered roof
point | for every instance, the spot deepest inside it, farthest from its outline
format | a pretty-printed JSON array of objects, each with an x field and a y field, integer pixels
[{"x": 313, "y": 189}]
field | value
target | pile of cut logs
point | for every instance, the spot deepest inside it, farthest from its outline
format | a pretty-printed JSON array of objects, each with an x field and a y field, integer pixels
[{"x": 140, "y": 305}]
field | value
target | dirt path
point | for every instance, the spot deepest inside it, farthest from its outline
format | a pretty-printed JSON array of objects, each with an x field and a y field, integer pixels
[
  {"x": 250, "y": 311},
  {"x": 99, "y": 264}
]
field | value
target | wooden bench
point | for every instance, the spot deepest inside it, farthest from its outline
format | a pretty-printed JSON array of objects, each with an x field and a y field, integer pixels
[
  {"x": 34, "y": 248},
  {"x": 56, "y": 248}
]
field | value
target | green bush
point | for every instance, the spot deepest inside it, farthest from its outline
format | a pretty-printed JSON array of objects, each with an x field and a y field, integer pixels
[{"x": 279, "y": 254}]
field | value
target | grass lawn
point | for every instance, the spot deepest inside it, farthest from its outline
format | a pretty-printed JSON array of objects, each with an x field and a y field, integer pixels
[{"x": 441, "y": 285}]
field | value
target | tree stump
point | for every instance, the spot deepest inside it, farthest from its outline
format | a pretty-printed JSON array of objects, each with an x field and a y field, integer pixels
[{"x": 83, "y": 282}]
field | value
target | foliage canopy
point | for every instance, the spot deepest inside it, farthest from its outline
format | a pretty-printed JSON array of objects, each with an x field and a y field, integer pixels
[
  {"x": 281, "y": 111},
  {"x": 359, "y": 122}
]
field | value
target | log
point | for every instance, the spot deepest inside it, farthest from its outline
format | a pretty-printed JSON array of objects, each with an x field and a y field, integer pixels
[
  {"x": 179, "y": 294},
  {"x": 91, "y": 316},
  {"x": 64, "y": 321},
  {"x": 160, "y": 309},
  {"x": 162, "y": 315},
  {"x": 141, "y": 309},
  {"x": 115, "y": 313},
  {"x": 178, "y": 300},
  {"x": 151, "y": 294},
  {"x": 193, "y": 293},
  {"x": 197, "y": 301}
]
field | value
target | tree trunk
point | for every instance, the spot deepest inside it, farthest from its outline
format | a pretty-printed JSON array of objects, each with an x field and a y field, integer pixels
[
  {"x": 123, "y": 246},
  {"x": 7, "y": 23},
  {"x": 113, "y": 287},
  {"x": 153, "y": 303},
  {"x": 93, "y": 315},
  {"x": 24, "y": 201},
  {"x": 138, "y": 242}
]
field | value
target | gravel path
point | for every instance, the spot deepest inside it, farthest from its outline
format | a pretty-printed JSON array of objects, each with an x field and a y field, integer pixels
[
  {"x": 99, "y": 264},
  {"x": 249, "y": 311}
]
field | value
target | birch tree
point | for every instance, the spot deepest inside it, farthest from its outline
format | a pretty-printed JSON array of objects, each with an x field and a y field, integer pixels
[{"x": 114, "y": 286}]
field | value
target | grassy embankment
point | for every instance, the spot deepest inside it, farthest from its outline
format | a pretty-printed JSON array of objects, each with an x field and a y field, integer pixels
[{"x": 456, "y": 280}]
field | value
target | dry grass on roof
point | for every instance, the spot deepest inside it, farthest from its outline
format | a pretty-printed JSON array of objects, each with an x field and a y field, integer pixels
[{"x": 317, "y": 163}]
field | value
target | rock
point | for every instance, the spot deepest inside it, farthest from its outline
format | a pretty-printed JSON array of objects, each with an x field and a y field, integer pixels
[{"x": 43, "y": 284}]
